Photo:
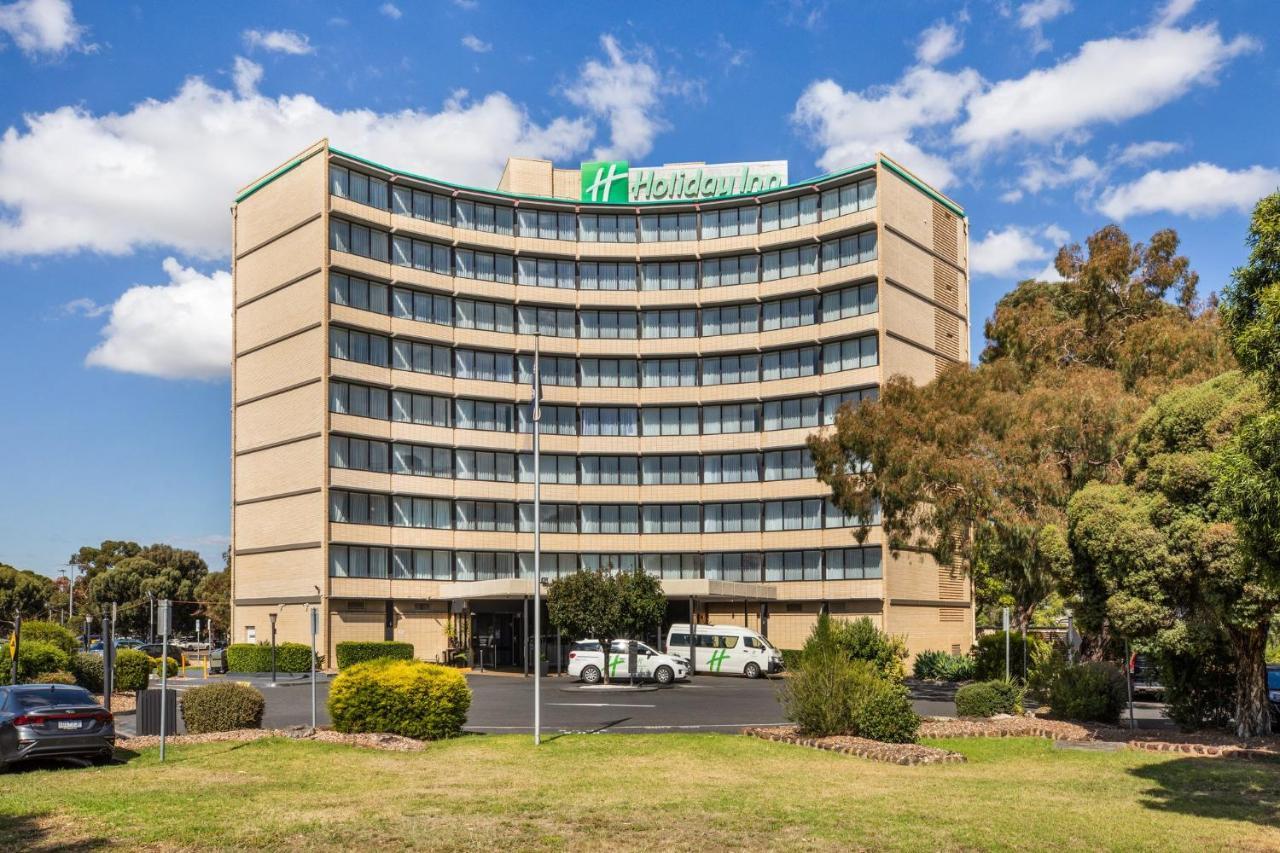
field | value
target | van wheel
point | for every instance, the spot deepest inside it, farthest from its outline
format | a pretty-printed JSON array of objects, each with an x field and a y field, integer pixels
[
  {"x": 591, "y": 674},
  {"x": 664, "y": 675},
  {"x": 751, "y": 670}
]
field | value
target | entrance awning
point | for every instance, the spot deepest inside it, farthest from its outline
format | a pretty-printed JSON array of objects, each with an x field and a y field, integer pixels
[{"x": 699, "y": 588}]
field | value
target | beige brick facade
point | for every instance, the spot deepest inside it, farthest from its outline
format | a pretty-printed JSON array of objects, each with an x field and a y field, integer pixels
[{"x": 290, "y": 553}]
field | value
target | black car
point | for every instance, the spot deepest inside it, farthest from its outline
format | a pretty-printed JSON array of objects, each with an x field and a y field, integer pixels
[
  {"x": 53, "y": 721},
  {"x": 156, "y": 650},
  {"x": 1273, "y": 693}
]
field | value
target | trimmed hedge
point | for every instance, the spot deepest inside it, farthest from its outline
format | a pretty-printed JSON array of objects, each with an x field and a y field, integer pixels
[
  {"x": 353, "y": 652},
  {"x": 34, "y": 657},
  {"x": 175, "y": 667},
  {"x": 988, "y": 698},
  {"x": 132, "y": 671},
  {"x": 290, "y": 657},
  {"x": 943, "y": 666},
  {"x": 404, "y": 697},
  {"x": 50, "y": 632},
  {"x": 1091, "y": 692},
  {"x": 883, "y": 712},
  {"x": 55, "y": 678},
  {"x": 222, "y": 707},
  {"x": 88, "y": 668}
]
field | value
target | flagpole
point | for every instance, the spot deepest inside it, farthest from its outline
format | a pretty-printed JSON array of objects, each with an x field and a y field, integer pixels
[{"x": 536, "y": 407}]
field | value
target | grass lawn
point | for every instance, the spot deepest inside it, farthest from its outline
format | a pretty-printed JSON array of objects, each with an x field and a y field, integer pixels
[{"x": 642, "y": 791}]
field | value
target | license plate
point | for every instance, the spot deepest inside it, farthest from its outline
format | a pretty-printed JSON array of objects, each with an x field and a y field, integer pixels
[{"x": 68, "y": 724}]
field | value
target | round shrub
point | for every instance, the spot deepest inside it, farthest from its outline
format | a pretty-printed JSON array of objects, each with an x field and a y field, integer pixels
[
  {"x": 353, "y": 652},
  {"x": 989, "y": 655},
  {"x": 882, "y": 711},
  {"x": 34, "y": 657},
  {"x": 87, "y": 668},
  {"x": 55, "y": 678},
  {"x": 247, "y": 657},
  {"x": 175, "y": 667},
  {"x": 52, "y": 633},
  {"x": 1091, "y": 692},
  {"x": 988, "y": 698},
  {"x": 222, "y": 707},
  {"x": 860, "y": 639},
  {"x": 409, "y": 698},
  {"x": 132, "y": 671}
]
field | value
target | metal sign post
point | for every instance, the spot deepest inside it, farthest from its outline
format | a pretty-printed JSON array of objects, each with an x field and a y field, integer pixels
[
  {"x": 315, "y": 629},
  {"x": 164, "y": 614},
  {"x": 536, "y": 412},
  {"x": 1006, "y": 644}
]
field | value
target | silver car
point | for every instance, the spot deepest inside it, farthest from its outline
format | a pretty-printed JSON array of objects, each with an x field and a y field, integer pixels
[{"x": 53, "y": 721}]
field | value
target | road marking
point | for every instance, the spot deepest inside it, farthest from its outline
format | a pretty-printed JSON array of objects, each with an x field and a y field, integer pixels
[{"x": 597, "y": 705}]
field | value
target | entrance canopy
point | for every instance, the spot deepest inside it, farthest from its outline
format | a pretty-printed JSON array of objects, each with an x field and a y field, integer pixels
[{"x": 702, "y": 589}]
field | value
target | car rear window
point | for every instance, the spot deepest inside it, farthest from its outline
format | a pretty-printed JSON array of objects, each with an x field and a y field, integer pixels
[
  {"x": 1273, "y": 679},
  {"x": 592, "y": 646},
  {"x": 30, "y": 698}
]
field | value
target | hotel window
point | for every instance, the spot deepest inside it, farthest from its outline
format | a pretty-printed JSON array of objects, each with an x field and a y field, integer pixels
[
  {"x": 732, "y": 418},
  {"x": 796, "y": 413},
  {"x": 669, "y": 470},
  {"x": 731, "y": 320},
  {"x": 484, "y": 516},
  {"x": 669, "y": 372},
  {"x": 608, "y": 470},
  {"x": 731, "y": 468},
  {"x": 674, "y": 566},
  {"x": 854, "y": 249},
  {"x": 486, "y": 316},
  {"x": 794, "y": 464},
  {"x": 793, "y": 566},
  {"x": 552, "y": 322},
  {"x": 608, "y": 372},
  {"x": 729, "y": 222},
  {"x": 671, "y": 518},
  {"x": 831, "y": 403},
  {"x": 485, "y": 465},
  {"x": 731, "y": 518},
  {"x": 793, "y": 515},
  {"x": 554, "y": 370},
  {"x": 678, "y": 323},
  {"x": 556, "y": 420},
  {"x": 790, "y": 313},
  {"x": 849, "y": 302},
  {"x": 354, "y": 561},
  {"x": 840, "y": 201},
  {"x": 724, "y": 272},
  {"x": 608, "y": 420},
  {"x": 350, "y": 345},
  {"x": 733, "y": 566},
  {"x": 669, "y": 275},
  {"x": 669, "y": 420},
  {"x": 610, "y": 518},
  {"x": 851, "y": 354},
  {"x": 788, "y": 363},
  {"x": 730, "y": 369},
  {"x": 786, "y": 263},
  {"x": 607, "y": 276},
  {"x": 608, "y": 325},
  {"x": 853, "y": 563},
  {"x": 556, "y": 468}
]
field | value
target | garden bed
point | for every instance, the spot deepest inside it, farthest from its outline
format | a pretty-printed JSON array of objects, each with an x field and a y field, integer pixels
[
  {"x": 892, "y": 753},
  {"x": 392, "y": 743}
]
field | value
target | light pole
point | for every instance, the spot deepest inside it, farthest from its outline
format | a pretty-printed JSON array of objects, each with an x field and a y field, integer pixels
[
  {"x": 272, "y": 617},
  {"x": 88, "y": 622},
  {"x": 151, "y": 618}
]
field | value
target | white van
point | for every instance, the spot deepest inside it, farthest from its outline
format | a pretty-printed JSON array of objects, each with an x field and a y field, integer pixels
[{"x": 725, "y": 649}]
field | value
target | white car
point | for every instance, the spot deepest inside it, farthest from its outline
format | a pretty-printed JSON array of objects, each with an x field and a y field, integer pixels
[{"x": 585, "y": 661}]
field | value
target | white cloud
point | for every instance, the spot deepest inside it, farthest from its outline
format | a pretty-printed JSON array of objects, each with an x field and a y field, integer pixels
[
  {"x": 1056, "y": 171},
  {"x": 938, "y": 42},
  {"x": 1108, "y": 80},
  {"x": 473, "y": 43},
  {"x": 1011, "y": 251},
  {"x": 1139, "y": 153},
  {"x": 43, "y": 27},
  {"x": 280, "y": 41},
  {"x": 164, "y": 172},
  {"x": 468, "y": 5},
  {"x": 1173, "y": 11},
  {"x": 1199, "y": 190},
  {"x": 179, "y": 330},
  {"x": 624, "y": 91},
  {"x": 850, "y": 127},
  {"x": 1039, "y": 12},
  {"x": 85, "y": 306},
  {"x": 391, "y": 10}
]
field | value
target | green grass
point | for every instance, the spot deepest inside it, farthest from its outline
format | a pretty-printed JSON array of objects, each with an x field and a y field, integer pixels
[{"x": 642, "y": 791}]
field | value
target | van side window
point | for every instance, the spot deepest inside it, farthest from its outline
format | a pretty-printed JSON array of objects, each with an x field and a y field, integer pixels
[
  {"x": 707, "y": 641},
  {"x": 678, "y": 640},
  {"x": 753, "y": 643},
  {"x": 727, "y": 642}
]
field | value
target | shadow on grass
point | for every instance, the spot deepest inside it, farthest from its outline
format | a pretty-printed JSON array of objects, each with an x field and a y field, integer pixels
[
  {"x": 1222, "y": 788},
  {"x": 32, "y": 833}
]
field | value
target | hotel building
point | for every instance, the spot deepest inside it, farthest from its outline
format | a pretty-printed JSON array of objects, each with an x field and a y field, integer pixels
[{"x": 695, "y": 324}]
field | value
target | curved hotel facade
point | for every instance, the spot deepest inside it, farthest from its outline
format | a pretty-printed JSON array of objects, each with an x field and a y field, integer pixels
[{"x": 694, "y": 324}]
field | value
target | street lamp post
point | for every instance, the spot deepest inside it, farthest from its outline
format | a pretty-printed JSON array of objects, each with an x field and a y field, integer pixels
[
  {"x": 151, "y": 619},
  {"x": 88, "y": 622},
  {"x": 272, "y": 616}
]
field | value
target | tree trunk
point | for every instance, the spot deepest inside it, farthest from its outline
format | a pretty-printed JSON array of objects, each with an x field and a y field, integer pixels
[{"x": 1253, "y": 713}]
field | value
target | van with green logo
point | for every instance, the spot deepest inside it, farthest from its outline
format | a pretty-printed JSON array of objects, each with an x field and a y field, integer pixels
[{"x": 727, "y": 649}]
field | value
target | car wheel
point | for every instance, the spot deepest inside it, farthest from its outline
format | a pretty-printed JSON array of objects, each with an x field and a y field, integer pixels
[
  {"x": 103, "y": 758},
  {"x": 751, "y": 670},
  {"x": 591, "y": 674},
  {"x": 664, "y": 675}
]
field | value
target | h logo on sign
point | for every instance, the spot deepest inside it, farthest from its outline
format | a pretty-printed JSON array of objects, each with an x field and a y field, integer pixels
[{"x": 605, "y": 181}]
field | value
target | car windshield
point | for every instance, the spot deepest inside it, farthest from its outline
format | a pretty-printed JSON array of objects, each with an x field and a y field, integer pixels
[
  {"x": 30, "y": 698},
  {"x": 1273, "y": 679}
]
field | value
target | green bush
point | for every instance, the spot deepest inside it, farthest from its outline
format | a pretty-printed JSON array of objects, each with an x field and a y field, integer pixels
[
  {"x": 290, "y": 657},
  {"x": 52, "y": 633},
  {"x": 791, "y": 659},
  {"x": 132, "y": 671},
  {"x": 860, "y": 639},
  {"x": 34, "y": 657},
  {"x": 222, "y": 707},
  {"x": 404, "y": 697},
  {"x": 988, "y": 698},
  {"x": 353, "y": 652},
  {"x": 989, "y": 655},
  {"x": 87, "y": 668},
  {"x": 882, "y": 711},
  {"x": 54, "y": 678},
  {"x": 943, "y": 666},
  {"x": 1200, "y": 689},
  {"x": 175, "y": 667},
  {"x": 1092, "y": 692},
  {"x": 829, "y": 694}
]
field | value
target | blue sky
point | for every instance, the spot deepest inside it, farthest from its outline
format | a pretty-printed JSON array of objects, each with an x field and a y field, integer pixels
[{"x": 128, "y": 129}]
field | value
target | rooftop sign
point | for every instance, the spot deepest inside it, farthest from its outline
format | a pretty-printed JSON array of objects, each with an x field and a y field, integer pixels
[{"x": 613, "y": 182}]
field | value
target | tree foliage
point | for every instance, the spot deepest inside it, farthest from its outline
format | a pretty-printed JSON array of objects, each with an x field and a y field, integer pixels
[
  {"x": 214, "y": 594},
  {"x": 25, "y": 592},
  {"x": 126, "y": 572},
  {"x": 605, "y": 605},
  {"x": 977, "y": 465}
]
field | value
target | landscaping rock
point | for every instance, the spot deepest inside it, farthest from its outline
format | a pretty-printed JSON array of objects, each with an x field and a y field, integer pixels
[
  {"x": 892, "y": 753},
  {"x": 393, "y": 743}
]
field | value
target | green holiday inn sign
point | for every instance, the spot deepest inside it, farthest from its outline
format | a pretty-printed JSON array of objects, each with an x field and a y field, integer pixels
[{"x": 613, "y": 182}]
